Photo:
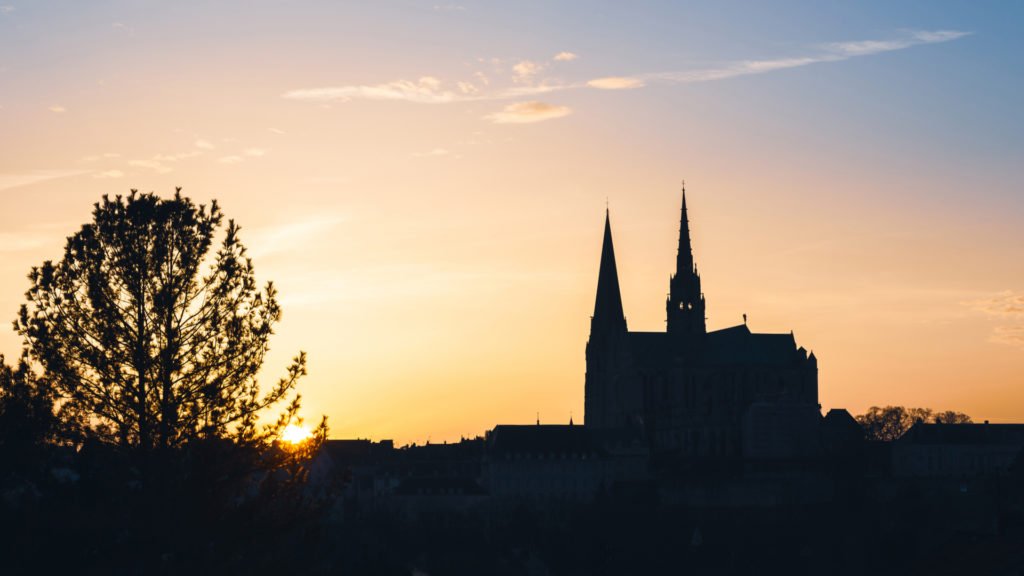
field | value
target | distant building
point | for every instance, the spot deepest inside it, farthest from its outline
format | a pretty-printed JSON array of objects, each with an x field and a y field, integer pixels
[
  {"x": 957, "y": 450},
  {"x": 560, "y": 462},
  {"x": 695, "y": 394}
]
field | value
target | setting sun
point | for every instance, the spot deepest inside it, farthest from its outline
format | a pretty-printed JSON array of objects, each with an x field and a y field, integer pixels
[{"x": 295, "y": 434}]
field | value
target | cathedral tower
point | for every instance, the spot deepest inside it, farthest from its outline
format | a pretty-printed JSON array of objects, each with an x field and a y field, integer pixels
[{"x": 685, "y": 305}]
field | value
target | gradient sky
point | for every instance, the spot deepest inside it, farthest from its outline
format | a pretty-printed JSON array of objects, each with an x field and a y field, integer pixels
[{"x": 426, "y": 183}]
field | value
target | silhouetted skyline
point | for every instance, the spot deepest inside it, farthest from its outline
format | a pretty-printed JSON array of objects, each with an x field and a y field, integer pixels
[{"x": 425, "y": 183}]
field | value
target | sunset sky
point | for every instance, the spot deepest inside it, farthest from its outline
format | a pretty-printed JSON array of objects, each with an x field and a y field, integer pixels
[{"x": 426, "y": 182}]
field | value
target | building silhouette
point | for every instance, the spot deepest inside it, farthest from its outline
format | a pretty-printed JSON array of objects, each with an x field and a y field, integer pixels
[
  {"x": 691, "y": 393},
  {"x": 702, "y": 452}
]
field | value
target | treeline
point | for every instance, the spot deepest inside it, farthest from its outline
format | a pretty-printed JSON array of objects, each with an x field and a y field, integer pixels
[{"x": 889, "y": 423}]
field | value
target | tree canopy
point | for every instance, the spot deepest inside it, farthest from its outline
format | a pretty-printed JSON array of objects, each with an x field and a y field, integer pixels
[
  {"x": 149, "y": 340},
  {"x": 889, "y": 423},
  {"x": 26, "y": 415}
]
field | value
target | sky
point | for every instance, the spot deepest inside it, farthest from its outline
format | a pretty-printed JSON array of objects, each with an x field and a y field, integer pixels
[{"x": 426, "y": 183}]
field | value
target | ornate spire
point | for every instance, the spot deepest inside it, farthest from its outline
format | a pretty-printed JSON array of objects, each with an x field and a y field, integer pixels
[
  {"x": 608, "y": 313},
  {"x": 684, "y": 257},
  {"x": 685, "y": 305}
]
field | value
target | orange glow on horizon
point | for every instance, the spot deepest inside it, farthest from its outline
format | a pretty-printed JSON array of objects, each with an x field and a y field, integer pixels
[{"x": 431, "y": 212}]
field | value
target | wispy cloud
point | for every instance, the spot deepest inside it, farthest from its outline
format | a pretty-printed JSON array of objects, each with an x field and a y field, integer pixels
[
  {"x": 241, "y": 157},
  {"x": 1010, "y": 335},
  {"x": 7, "y": 9},
  {"x": 96, "y": 157},
  {"x": 152, "y": 164},
  {"x": 448, "y": 8},
  {"x": 290, "y": 236},
  {"x": 20, "y": 242},
  {"x": 565, "y": 57},
  {"x": 1005, "y": 304},
  {"x": 161, "y": 163},
  {"x": 109, "y": 174},
  {"x": 435, "y": 153},
  {"x": 525, "y": 70},
  {"x": 57, "y": 109},
  {"x": 9, "y": 181},
  {"x": 431, "y": 90},
  {"x": 1008, "y": 307},
  {"x": 426, "y": 90},
  {"x": 833, "y": 52},
  {"x": 122, "y": 27},
  {"x": 615, "y": 83},
  {"x": 528, "y": 113}
]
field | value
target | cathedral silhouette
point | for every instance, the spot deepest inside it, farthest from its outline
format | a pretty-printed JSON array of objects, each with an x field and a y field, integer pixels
[{"x": 690, "y": 393}]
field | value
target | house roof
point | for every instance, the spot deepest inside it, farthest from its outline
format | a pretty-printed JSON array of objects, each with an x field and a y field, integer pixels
[
  {"x": 541, "y": 438},
  {"x": 991, "y": 434}
]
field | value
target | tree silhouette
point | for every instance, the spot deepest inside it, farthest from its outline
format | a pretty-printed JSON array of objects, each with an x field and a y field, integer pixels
[
  {"x": 144, "y": 350},
  {"x": 27, "y": 422},
  {"x": 889, "y": 423}
]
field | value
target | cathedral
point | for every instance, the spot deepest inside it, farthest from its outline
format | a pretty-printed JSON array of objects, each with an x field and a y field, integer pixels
[{"x": 691, "y": 393}]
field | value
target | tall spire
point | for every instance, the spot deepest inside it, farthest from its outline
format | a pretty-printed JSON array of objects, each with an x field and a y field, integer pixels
[
  {"x": 684, "y": 257},
  {"x": 608, "y": 313},
  {"x": 685, "y": 305}
]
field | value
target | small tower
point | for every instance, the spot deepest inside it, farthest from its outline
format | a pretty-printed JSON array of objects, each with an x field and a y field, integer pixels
[{"x": 685, "y": 304}]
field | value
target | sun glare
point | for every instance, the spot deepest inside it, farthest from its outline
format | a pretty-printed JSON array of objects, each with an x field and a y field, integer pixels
[{"x": 295, "y": 434}]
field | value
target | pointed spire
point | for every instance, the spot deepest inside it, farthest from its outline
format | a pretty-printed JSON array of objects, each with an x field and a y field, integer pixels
[
  {"x": 684, "y": 257},
  {"x": 608, "y": 305},
  {"x": 685, "y": 305}
]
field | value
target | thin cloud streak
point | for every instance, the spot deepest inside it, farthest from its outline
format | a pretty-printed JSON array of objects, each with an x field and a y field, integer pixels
[
  {"x": 1007, "y": 306},
  {"x": 20, "y": 242},
  {"x": 616, "y": 83},
  {"x": 292, "y": 236},
  {"x": 833, "y": 52},
  {"x": 430, "y": 90},
  {"x": 528, "y": 113},
  {"x": 9, "y": 181}
]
